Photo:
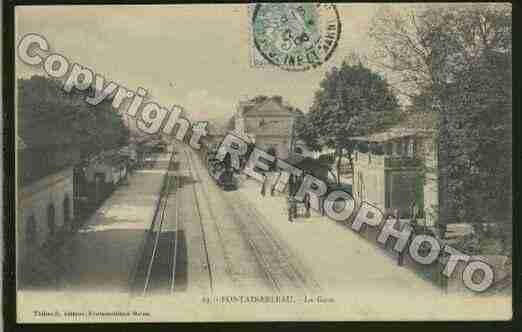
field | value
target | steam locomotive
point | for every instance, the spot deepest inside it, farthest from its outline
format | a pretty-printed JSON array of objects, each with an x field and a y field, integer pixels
[{"x": 222, "y": 171}]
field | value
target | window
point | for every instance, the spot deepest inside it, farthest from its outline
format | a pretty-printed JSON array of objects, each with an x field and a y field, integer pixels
[
  {"x": 50, "y": 219},
  {"x": 66, "y": 211},
  {"x": 30, "y": 231},
  {"x": 411, "y": 148}
]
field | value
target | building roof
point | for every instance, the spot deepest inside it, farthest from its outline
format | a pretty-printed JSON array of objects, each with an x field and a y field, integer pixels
[
  {"x": 267, "y": 110},
  {"x": 34, "y": 164},
  {"x": 413, "y": 123},
  {"x": 271, "y": 106},
  {"x": 110, "y": 158}
]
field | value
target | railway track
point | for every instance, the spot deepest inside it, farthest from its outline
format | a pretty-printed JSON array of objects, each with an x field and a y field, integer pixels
[
  {"x": 156, "y": 270},
  {"x": 192, "y": 174},
  {"x": 280, "y": 267}
]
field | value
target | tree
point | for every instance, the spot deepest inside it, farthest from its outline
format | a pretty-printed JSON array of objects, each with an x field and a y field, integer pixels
[
  {"x": 49, "y": 117},
  {"x": 480, "y": 169},
  {"x": 351, "y": 101},
  {"x": 422, "y": 49},
  {"x": 307, "y": 132},
  {"x": 458, "y": 61}
]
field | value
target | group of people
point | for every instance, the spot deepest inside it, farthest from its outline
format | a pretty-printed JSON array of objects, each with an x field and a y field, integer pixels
[{"x": 294, "y": 183}]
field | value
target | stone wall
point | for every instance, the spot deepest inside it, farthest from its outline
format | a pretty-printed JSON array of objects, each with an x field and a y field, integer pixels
[
  {"x": 34, "y": 201},
  {"x": 433, "y": 272}
]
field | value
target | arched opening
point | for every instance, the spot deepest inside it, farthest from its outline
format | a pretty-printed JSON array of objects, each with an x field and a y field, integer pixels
[
  {"x": 50, "y": 219},
  {"x": 30, "y": 231},
  {"x": 66, "y": 211}
]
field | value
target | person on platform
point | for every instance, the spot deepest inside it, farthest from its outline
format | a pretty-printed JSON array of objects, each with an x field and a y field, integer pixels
[
  {"x": 291, "y": 201},
  {"x": 307, "y": 205}
]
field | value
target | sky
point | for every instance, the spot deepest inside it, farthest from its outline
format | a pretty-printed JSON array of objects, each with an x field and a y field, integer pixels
[{"x": 196, "y": 56}]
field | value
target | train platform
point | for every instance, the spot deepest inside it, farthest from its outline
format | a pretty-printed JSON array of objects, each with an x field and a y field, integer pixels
[
  {"x": 355, "y": 272},
  {"x": 103, "y": 253},
  {"x": 318, "y": 238}
]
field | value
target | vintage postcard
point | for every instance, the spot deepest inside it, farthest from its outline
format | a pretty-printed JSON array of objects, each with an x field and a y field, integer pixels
[{"x": 263, "y": 162}]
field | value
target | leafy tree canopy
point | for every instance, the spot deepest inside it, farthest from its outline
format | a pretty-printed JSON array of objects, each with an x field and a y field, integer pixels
[
  {"x": 480, "y": 140},
  {"x": 50, "y": 118},
  {"x": 351, "y": 101}
]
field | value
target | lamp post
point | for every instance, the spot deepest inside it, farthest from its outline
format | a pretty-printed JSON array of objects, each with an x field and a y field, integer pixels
[{"x": 443, "y": 166}]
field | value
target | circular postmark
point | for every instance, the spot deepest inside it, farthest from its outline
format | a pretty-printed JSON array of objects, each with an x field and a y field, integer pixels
[{"x": 296, "y": 36}]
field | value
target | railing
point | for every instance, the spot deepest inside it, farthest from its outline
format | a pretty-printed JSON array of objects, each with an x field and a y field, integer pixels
[{"x": 385, "y": 160}]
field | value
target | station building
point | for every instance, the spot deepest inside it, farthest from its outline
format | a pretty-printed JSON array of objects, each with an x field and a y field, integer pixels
[
  {"x": 45, "y": 195},
  {"x": 398, "y": 169},
  {"x": 270, "y": 123}
]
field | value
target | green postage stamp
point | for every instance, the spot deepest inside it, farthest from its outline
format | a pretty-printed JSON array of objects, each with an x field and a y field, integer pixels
[{"x": 294, "y": 36}]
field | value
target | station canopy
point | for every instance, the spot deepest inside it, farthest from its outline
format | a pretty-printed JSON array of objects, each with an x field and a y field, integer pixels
[{"x": 386, "y": 136}]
